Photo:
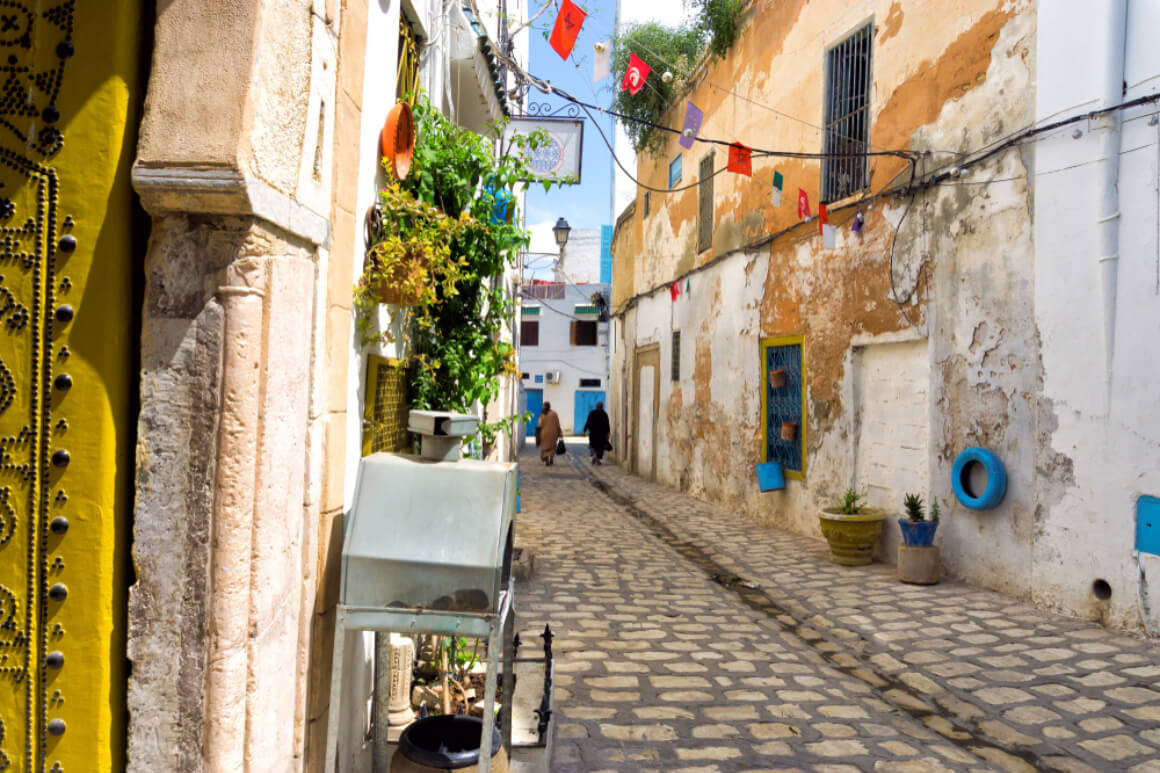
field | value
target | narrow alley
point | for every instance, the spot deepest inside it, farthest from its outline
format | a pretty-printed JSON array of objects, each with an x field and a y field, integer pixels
[{"x": 688, "y": 638}]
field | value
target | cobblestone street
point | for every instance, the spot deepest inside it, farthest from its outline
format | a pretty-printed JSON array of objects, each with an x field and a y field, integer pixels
[{"x": 688, "y": 638}]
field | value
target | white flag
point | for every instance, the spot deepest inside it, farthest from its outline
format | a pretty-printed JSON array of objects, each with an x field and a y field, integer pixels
[
  {"x": 829, "y": 233},
  {"x": 602, "y": 62}
]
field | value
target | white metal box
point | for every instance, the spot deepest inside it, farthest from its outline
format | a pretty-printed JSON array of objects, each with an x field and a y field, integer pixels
[{"x": 432, "y": 535}]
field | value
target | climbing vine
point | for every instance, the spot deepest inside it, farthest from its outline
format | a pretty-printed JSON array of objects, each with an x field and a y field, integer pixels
[
  {"x": 447, "y": 236},
  {"x": 714, "y": 28}
]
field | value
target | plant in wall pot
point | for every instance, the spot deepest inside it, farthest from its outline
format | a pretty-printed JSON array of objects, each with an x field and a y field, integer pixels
[
  {"x": 851, "y": 529},
  {"x": 440, "y": 243},
  {"x": 918, "y": 558}
]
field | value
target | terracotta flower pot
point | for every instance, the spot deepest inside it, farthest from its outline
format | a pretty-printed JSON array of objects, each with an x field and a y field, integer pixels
[
  {"x": 397, "y": 140},
  {"x": 852, "y": 536},
  {"x": 789, "y": 431},
  {"x": 391, "y": 287},
  {"x": 777, "y": 378}
]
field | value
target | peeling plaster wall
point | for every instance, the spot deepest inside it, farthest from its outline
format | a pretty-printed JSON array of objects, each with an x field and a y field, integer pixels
[
  {"x": 995, "y": 277},
  {"x": 1098, "y": 428}
]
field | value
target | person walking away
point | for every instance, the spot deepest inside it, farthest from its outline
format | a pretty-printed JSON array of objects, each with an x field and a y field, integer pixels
[
  {"x": 597, "y": 429},
  {"x": 548, "y": 430}
]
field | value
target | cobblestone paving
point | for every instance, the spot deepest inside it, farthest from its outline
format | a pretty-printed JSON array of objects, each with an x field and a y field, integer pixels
[{"x": 689, "y": 638}]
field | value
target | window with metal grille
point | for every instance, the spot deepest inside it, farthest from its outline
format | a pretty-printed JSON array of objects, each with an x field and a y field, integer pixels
[
  {"x": 529, "y": 332},
  {"x": 847, "y": 130},
  {"x": 783, "y": 403},
  {"x": 589, "y": 382},
  {"x": 386, "y": 407},
  {"x": 409, "y": 46},
  {"x": 675, "y": 368},
  {"x": 583, "y": 333},
  {"x": 705, "y": 204}
]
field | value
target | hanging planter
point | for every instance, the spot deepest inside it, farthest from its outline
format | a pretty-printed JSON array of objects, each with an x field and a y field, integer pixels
[
  {"x": 789, "y": 431},
  {"x": 777, "y": 378},
  {"x": 397, "y": 140},
  {"x": 402, "y": 280}
]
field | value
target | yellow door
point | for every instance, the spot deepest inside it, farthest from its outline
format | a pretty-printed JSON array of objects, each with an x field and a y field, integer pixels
[{"x": 67, "y": 116}]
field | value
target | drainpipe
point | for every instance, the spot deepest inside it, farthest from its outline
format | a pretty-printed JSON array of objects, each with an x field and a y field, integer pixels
[{"x": 1109, "y": 220}]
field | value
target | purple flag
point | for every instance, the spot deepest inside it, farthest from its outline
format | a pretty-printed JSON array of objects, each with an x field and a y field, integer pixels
[{"x": 693, "y": 118}]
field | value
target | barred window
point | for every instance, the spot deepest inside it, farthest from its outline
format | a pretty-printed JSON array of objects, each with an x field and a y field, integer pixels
[{"x": 847, "y": 138}]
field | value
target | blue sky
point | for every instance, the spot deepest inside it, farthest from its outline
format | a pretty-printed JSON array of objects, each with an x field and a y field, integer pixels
[{"x": 586, "y": 205}]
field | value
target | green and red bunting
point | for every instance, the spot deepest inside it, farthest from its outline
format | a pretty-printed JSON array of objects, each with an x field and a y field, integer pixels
[
  {"x": 567, "y": 27},
  {"x": 635, "y": 74}
]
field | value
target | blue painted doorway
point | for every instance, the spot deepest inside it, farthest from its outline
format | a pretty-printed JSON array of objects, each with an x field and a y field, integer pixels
[
  {"x": 585, "y": 402},
  {"x": 535, "y": 405}
]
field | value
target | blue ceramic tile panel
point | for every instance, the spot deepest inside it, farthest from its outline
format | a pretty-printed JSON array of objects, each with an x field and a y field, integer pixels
[{"x": 784, "y": 404}]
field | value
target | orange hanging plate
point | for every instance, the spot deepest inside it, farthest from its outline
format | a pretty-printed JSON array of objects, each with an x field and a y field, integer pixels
[{"x": 397, "y": 140}]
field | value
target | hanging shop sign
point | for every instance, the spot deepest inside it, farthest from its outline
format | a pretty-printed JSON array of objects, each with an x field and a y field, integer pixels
[{"x": 560, "y": 156}]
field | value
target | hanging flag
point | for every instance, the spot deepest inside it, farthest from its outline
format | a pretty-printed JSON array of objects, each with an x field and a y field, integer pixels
[
  {"x": 688, "y": 283},
  {"x": 602, "y": 61},
  {"x": 778, "y": 183},
  {"x": 829, "y": 234},
  {"x": 567, "y": 28},
  {"x": 675, "y": 290},
  {"x": 857, "y": 225},
  {"x": 823, "y": 218},
  {"x": 692, "y": 127},
  {"x": 635, "y": 74},
  {"x": 803, "y": 204},
  {"x": 739, "y": 160}
]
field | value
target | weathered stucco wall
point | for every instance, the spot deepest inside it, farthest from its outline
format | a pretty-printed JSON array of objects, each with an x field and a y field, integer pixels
[
  {"x": 996, "y": 336},
  {"x": 234, "y": 168}
]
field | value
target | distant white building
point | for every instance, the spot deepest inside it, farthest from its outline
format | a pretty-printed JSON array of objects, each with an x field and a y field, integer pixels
[
  {"x": 564, "y": 350},
  {"x": 564, "y": 331}
]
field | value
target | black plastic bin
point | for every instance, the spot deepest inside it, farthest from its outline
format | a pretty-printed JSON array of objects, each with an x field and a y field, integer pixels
[{"x": 446, "y": 743}]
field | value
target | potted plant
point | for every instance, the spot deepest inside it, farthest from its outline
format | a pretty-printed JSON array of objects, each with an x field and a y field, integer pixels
[
  {"x": 851, "y": 529},
  {"x": 918, "y": 558}
]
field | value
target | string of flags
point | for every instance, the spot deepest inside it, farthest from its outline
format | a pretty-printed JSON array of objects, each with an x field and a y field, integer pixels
[{"x": 566, "y": 29}]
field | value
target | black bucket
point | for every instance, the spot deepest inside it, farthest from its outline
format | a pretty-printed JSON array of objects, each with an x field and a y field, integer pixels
[{"x": 446, "y": 742}]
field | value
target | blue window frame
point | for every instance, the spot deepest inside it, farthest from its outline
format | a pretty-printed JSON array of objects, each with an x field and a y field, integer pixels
[
  {"x": 539, "y": 378},
  {"x": 675, "y": 171},
  {"x": 783, "y": 398}
]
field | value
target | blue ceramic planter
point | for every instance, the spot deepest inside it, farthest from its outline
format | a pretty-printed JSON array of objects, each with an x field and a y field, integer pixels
[{"x": 917, "y": 535}]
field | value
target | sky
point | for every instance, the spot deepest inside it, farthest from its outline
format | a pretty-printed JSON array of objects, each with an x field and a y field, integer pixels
[{"x": 588, "y": 204}]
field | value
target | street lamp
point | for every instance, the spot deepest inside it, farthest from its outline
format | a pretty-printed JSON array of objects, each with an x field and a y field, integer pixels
[{"x": 561, "y": 230}]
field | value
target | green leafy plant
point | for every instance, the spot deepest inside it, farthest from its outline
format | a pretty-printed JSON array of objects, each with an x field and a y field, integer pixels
[
  {"x": 450, "y": 232},
  {"x": 935, "y": 510},
  {"x": 720, "y": 20},
  {"x": 850, "y": 502},
  {"x": 914, "y": 507}
]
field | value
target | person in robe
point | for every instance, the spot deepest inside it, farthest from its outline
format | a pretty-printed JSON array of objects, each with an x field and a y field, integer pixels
[
  {"x": 597, "y": 429},
  {"x": 548, "y": 433}
]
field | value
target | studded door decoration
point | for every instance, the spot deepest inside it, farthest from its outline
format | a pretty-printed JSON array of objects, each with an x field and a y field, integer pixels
[{"x": 68, "y": 83}]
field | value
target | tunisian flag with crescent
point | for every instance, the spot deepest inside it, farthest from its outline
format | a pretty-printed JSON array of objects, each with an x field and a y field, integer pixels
[
  {"x": 635, "y": 74},
  {"x": 567, "y": 28}
]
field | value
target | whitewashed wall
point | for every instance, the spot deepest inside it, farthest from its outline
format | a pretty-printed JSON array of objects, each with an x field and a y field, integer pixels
[{"x": 1104, "y": 422}]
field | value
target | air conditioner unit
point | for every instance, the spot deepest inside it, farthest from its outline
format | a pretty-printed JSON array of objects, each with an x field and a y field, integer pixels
[{"x": 552, "y": 377}]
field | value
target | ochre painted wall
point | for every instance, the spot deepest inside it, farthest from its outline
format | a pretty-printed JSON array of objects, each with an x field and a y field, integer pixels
[{"x": 66, "y": 301}]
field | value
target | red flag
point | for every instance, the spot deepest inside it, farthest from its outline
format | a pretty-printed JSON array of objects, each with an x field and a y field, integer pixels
[
  {"x": 739, "y": 160},
  {"x": 567, "y": 28},
  {"x": 674, "y": 290},
  {"x": 635, "y": 74},
  {"x": 823, "y": 218},
  {"x": 803, "y": 204}
]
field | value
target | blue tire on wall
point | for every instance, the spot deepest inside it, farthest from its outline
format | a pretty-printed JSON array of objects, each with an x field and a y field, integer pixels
[{"x": 996, "y": 478}]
